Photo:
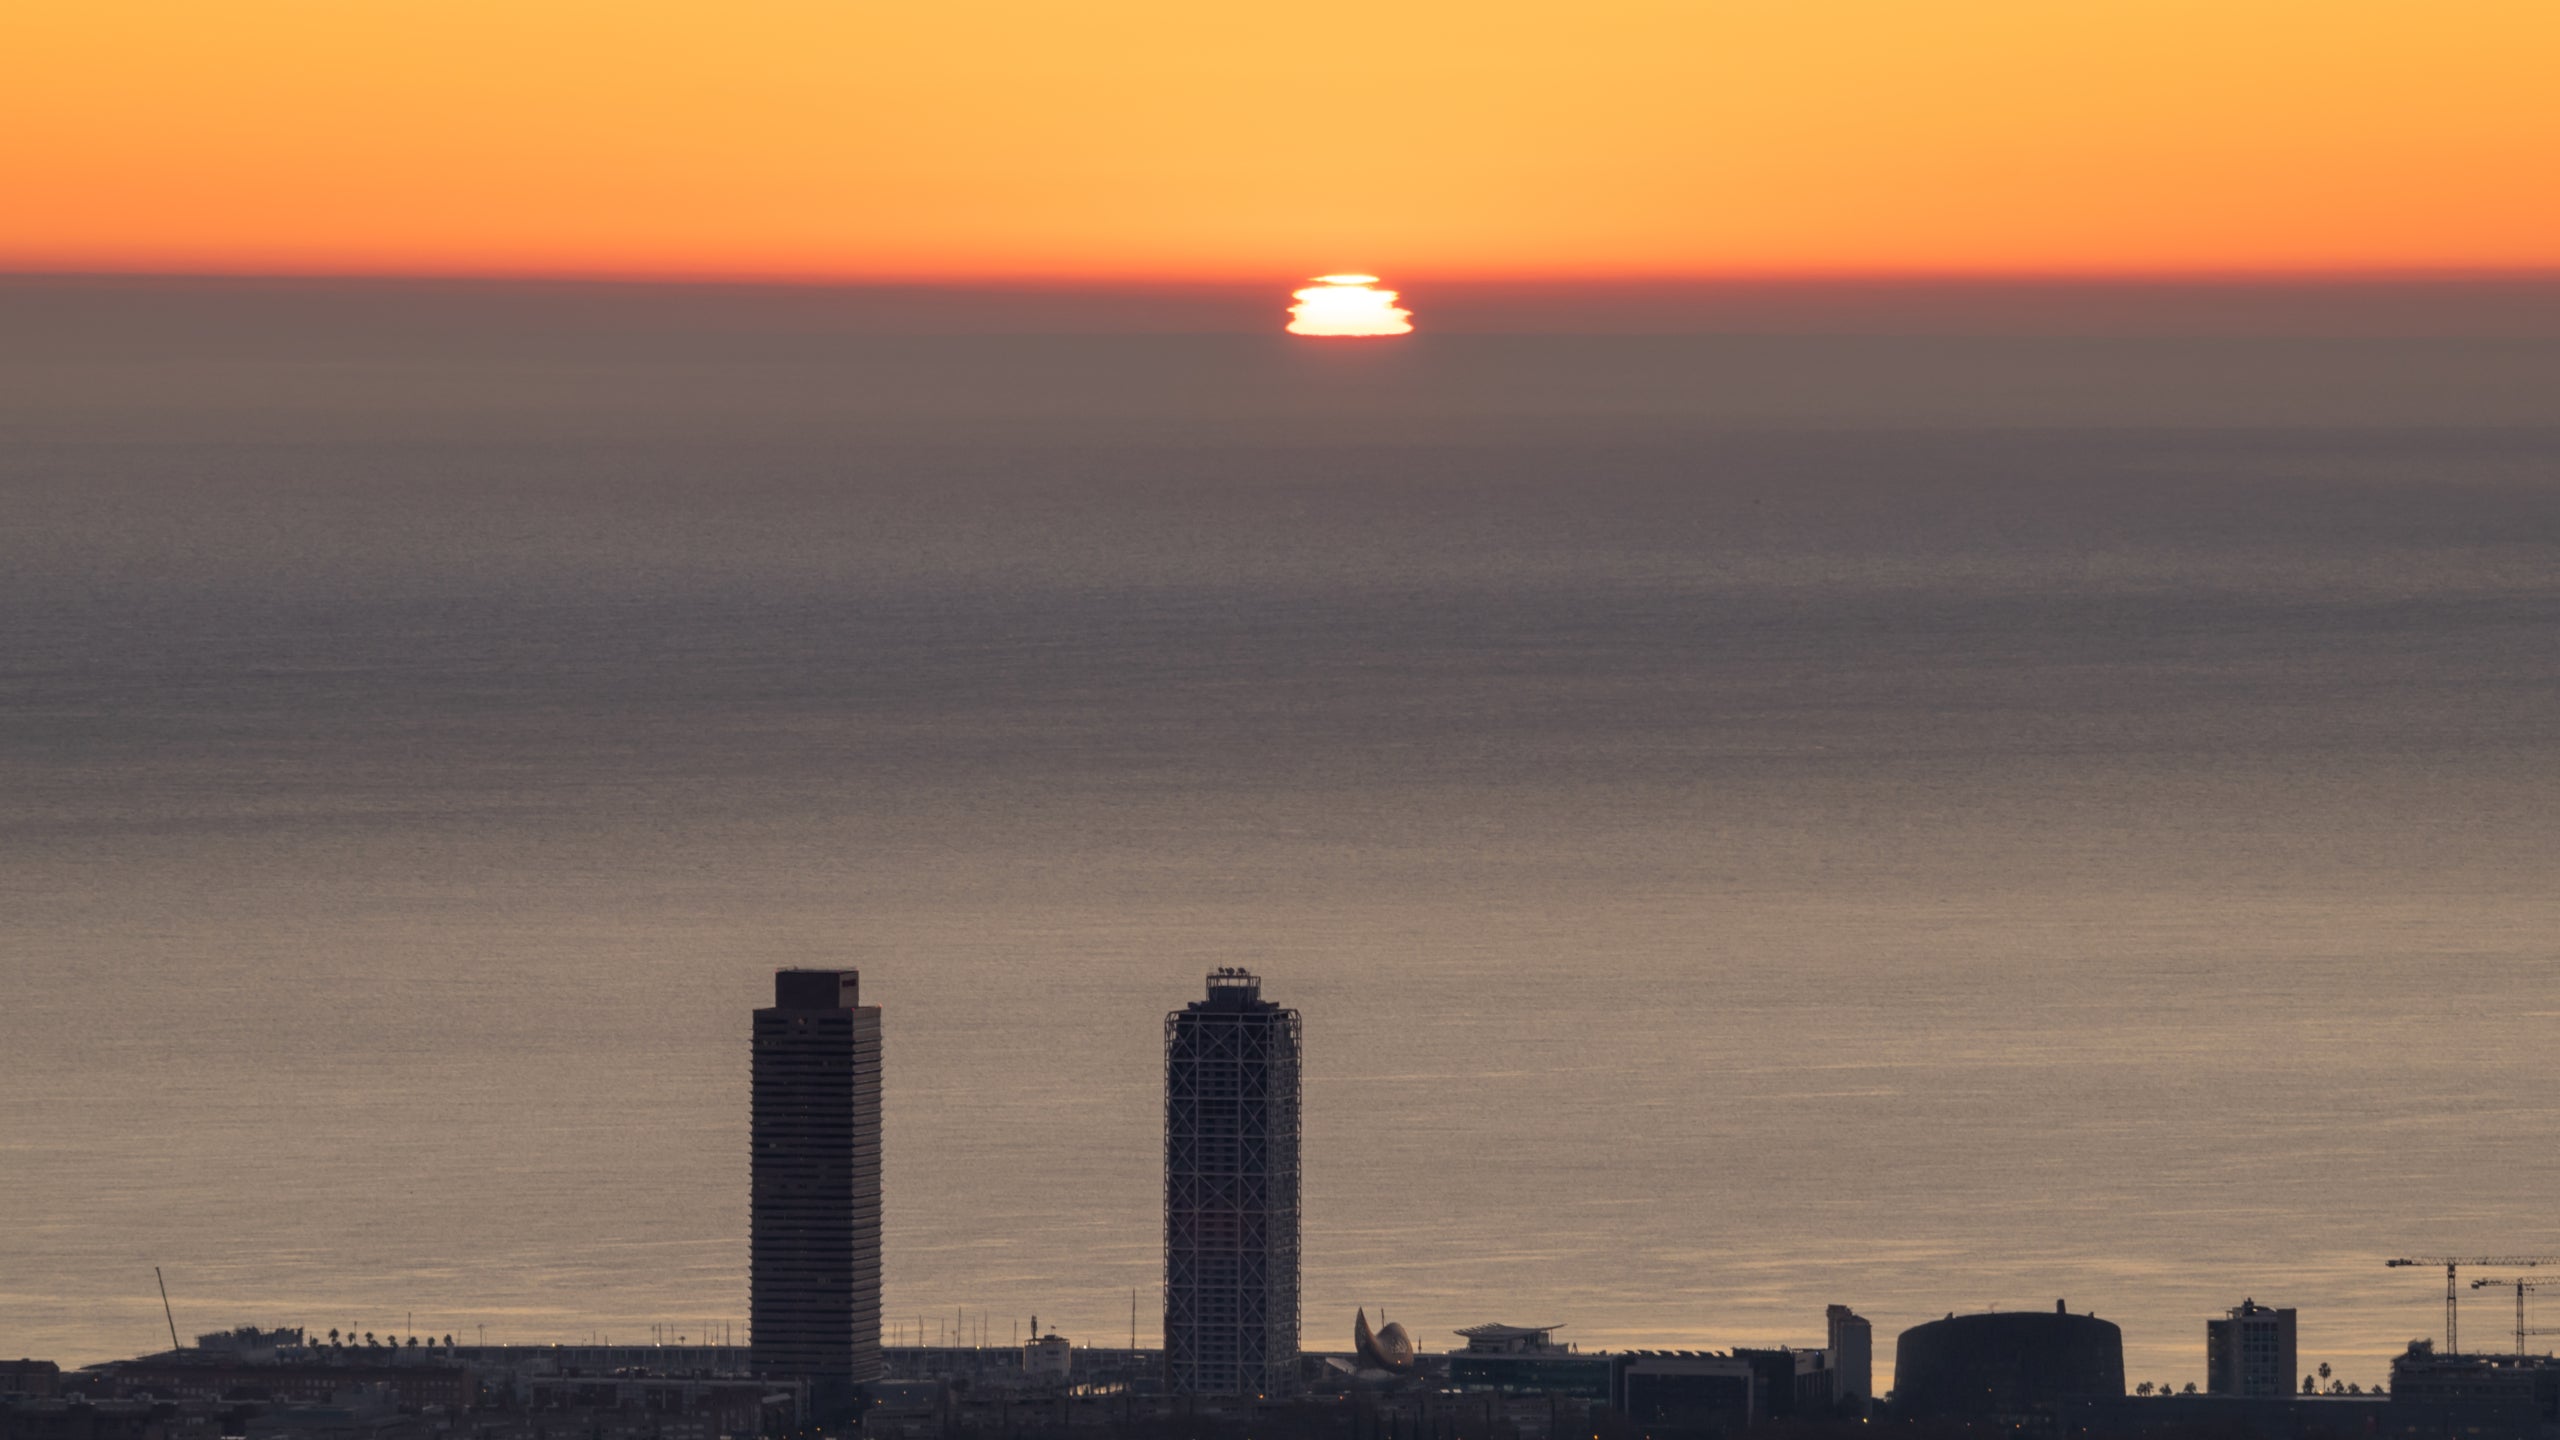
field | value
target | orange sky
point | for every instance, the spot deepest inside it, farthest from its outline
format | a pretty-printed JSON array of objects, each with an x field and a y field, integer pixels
[{"x": 978, "y": 138}]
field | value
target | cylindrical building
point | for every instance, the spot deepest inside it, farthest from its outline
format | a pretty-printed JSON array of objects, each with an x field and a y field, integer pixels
[
  {"x": 1231, "y": 1091},
  {"x": 2013, "y": 1363}
]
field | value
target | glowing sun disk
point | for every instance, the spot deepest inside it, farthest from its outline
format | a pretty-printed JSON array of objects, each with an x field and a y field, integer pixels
[{"x": 1344, "y": 305}]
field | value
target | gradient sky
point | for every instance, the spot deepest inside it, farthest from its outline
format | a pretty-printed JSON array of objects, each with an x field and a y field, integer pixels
[{"x": 980, "y": 138}]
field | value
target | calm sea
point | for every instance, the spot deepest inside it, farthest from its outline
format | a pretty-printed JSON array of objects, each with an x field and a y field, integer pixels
[{"x": 1920, "y": 822}]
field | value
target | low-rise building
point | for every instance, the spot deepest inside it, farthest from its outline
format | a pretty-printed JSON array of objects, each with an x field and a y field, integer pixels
[
  {"x": 1526, "y": 1360},
  {"x": 2507, "y": 1393},
  {"x": 1048, "y": 1358},
  {"x": 1690, "y": 1389},
  {"x": 183, "y": 1376},
  {"x": 2250, "y": 1352},
  {"x": 1789, "y": 1383},
  {"x": 2282, "y": 1417},
  {"x": 354, "y": 1415},
  {"x": 668, "y": 1407},
  {"x": 2011, "y": 1366},
  {"x": 80, "y": 1418}
]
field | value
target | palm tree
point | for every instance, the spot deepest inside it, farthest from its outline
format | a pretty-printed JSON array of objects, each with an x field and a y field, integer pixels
[
  {"x": 2142, "y": 1389},
  {"x": 2324, "y": 1369},
  {"x": 333, "y": 1335}
]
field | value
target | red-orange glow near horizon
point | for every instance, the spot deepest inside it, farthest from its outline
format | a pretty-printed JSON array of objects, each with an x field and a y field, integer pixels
[
  {"x": 1171, "y": 140},
  {"x": 1347, "y": 306}
]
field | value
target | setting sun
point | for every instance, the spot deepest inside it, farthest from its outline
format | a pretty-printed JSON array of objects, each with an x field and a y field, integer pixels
[{"x": 1348, "y": 305}]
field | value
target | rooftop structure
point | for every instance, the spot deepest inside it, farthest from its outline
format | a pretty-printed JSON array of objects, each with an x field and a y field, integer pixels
[
  {"x": 1511, "y": 1339},
  {"x": 1526, "y": 1360}
]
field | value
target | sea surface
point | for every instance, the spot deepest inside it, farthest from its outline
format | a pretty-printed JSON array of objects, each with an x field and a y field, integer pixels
[{"x": 1751, "y": 821}]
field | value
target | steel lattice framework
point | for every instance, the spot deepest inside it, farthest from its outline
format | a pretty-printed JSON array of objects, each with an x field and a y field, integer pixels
[{"x": 1231, "y": 1105}]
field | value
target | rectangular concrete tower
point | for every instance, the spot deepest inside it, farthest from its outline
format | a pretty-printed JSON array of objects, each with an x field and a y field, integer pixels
[
  {"x": 814, "y": 1216},
  {"x": 1231, "y": 1091},
  {"x": 1852, "y": 1345},
  {"x": 2250, "y": 1351}
]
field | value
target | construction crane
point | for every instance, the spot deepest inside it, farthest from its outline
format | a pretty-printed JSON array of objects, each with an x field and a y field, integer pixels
[
  {"x": 2522, "y": 1289},
  {"x": 165, "y": 1312},
  {"x": 2453, "y": 1263}
]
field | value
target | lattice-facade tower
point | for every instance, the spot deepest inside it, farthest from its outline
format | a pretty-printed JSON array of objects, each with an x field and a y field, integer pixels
[{"x": 1231, "y": 1104}]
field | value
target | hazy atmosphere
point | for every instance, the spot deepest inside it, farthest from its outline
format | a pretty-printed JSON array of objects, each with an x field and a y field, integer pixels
[{"x": 1915, "y": 818}]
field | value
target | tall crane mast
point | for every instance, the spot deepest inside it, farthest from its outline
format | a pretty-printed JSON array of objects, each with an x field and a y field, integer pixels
[
  {"x": 2453, "y": 1263},
  {"x": 2522, "y": 1289}
]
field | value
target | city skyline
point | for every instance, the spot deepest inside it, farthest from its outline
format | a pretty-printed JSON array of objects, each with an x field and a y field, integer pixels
[
  {"x": 1231, "y": 1082},
  {"x": 1099, "y": 1333}
]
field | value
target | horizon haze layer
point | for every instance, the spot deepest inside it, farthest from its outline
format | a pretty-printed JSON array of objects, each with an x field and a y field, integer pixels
[{"x": 2515, "y": 304}]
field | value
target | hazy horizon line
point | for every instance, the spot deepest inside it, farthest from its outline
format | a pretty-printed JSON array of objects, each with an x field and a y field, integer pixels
[
  {"x": 2522, "y": 305},
  {"x": 22, "y": 269}
]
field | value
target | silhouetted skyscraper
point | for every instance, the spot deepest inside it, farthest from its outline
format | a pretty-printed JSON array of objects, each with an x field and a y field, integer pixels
[
  {"x": 814, "y": 1219},
  {"x": 1231, "y": 1192},
  {"x": 1852, "y": 1343}
]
